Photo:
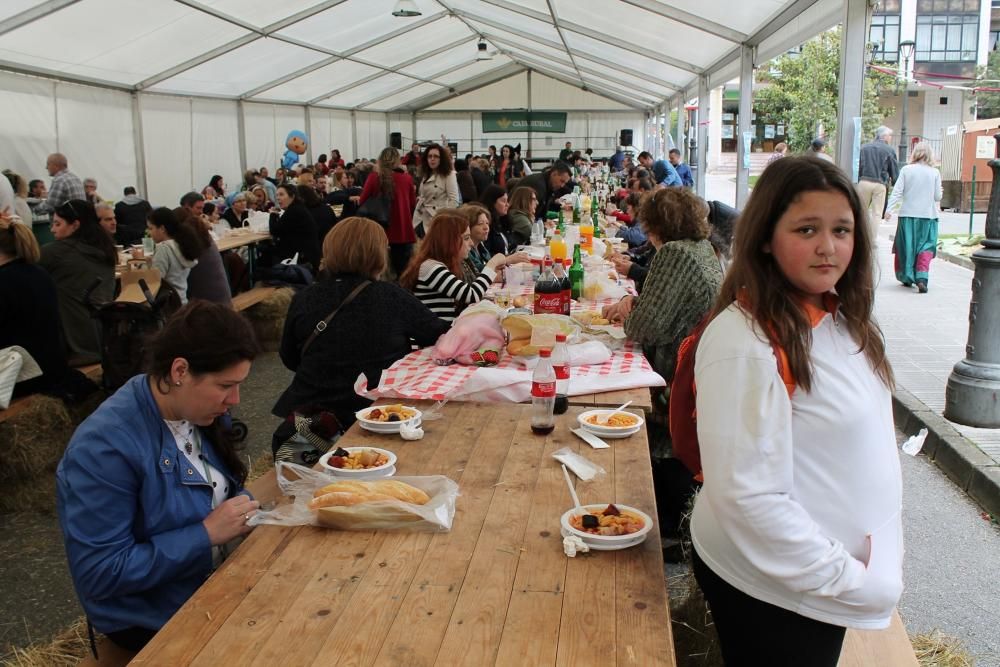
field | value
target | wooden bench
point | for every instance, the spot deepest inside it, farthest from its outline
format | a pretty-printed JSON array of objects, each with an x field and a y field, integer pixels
[
  {"x": 890, "y": 647},
  {"x": 244, "y": 300}
]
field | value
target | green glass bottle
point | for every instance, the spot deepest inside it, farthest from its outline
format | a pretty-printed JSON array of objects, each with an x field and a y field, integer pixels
[
  {"x": 597, "y": 226},
  {"x": 561, "y": 226},
  {"x": 593, "y": 204},
  {"x": 576, "y": 211},
  {"x": 576, "y": 274}
]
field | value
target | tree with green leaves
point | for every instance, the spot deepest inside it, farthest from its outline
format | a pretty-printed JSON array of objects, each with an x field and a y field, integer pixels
[
  {"x": 988, "y": 104},
  {"x": 801, "y": 92}
]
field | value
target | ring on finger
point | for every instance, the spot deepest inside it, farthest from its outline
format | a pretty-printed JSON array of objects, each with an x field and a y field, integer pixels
[{"x": 246, "y": 516}]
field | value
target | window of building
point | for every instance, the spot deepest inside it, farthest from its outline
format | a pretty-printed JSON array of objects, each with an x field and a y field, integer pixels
[
  {"x": 994, "y": 38},
  {"x": 884, "y": 35},
  {"x": 947, "y": 36}
]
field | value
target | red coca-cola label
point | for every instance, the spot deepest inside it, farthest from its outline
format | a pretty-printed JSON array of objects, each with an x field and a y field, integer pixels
[
  {"x": 543, "y": 389},
  {"x": 562, "y": 372},
  {"x": 548, "y": 303}
]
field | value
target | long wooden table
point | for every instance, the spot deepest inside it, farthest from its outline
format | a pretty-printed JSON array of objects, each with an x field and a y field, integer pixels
[
  {"x": 496, "y": 589},
  {"x": 235, "y": 240}
]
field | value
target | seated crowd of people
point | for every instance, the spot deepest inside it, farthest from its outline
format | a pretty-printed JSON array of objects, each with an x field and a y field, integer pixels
[{"x": 418, "y": 238}]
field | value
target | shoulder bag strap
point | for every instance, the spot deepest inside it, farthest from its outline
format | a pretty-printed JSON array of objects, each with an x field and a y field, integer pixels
[{"x": 322, "y": 324}]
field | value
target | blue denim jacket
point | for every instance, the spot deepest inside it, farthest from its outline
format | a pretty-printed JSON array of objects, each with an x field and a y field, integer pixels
[{"x": 131, "y": 509}]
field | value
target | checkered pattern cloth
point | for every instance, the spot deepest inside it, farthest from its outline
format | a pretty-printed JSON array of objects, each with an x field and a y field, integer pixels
[{"x": 416, "y": 376}]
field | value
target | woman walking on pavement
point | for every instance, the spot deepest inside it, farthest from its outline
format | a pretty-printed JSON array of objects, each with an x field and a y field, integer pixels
[{"x": 916, "y": 195}]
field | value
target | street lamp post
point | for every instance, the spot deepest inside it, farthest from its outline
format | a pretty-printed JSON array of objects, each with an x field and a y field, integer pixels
[
  {"x": 972, "y": 396},
  {"x": 905, "y": 52}
]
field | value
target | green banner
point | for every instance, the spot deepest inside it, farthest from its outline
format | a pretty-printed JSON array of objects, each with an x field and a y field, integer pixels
[{"x": 523, "y": 121}]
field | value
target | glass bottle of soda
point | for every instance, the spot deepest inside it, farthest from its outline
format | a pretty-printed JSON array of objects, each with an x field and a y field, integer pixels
[
  {"x": 548, "y": 291},
  {"x": 576, "y": 274},
  {"x": 559, "y": 273},
  {"x": 543, "y": 395},
  {"x": 567, "y": 289},
  {"x": 560, "y": 364}
]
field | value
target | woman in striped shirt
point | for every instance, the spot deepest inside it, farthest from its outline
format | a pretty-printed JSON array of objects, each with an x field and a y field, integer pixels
[{"x": 434, "y": 274}]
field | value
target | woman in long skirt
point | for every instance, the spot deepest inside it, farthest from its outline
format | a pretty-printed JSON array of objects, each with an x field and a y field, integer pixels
[{"x": 916, "y": 194}]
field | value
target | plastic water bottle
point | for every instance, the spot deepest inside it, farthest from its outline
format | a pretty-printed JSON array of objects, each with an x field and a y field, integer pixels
[
  {"x": 148, "y": 246},
  {"x": 560, "y": 364},
  {"x": 543, "y": 395}
]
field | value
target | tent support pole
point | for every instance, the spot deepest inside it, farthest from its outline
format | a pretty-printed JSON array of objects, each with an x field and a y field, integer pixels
[
  {"x": 857, "y": 17},
  {"x": 241, "y": 134},
  {"x": 704, "y": 106},
  {"x": 354, "y": 134},
  {"x": 527, "y": 149},
  {"x": 309, "y": 133},
  {"x": 743, "y": 125},
  {"x": 140, "y": 148}
]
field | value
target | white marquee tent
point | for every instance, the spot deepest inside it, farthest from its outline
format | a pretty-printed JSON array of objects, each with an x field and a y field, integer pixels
[{"x": 164, "y": 93}]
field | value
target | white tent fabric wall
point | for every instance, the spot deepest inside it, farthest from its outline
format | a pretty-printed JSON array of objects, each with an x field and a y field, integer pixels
[
  {"x": 267, "y": 127},
  {"x": 167, "y": 142},
  {"x": 28, "y": 118},
  {"x": 328, "y": 129},
  {"x": 215, "y": 143},
  {"x": 373, "y": 133}
]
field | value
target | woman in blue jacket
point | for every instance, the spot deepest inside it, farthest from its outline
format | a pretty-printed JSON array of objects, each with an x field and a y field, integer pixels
[{"x": 150, "y": 489}]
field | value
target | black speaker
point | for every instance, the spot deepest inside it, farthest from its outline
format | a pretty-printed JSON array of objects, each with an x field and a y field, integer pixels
[
  {"x": 453, "y": 147},
  {"x": 396, "y": 139},
  {"x": 625, "y": 138}
]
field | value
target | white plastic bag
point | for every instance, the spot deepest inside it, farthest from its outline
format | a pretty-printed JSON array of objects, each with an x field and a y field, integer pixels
[{"x": 435, "y": 516}]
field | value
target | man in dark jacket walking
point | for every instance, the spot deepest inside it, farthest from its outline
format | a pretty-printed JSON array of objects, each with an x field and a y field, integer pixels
[{"x": 878, "y": 168}]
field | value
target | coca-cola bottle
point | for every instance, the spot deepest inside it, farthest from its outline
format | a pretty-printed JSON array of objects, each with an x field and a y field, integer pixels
[
  {"x": 560, "y": 364},
  {"x": 559, "y": 271},
  {"x": 543, "y": 394},
  {"x": 548, "y": 291}
]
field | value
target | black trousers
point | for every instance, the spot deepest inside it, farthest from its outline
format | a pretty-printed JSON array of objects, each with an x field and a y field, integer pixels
[
  {"x": 399, "y": 257},
  {"x": 752, "y": 632}
]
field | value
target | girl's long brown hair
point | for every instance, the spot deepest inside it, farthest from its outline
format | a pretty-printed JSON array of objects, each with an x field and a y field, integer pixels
[
  {"x": 442, "y": 243},
  {"x": 388, "y": 160},
  {"x": 768, "y": 297}
]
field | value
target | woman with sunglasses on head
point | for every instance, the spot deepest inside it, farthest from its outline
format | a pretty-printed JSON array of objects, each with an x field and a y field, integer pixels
[
  {"x": 796, "y": 531},
  {"x": 438, "y": 188},
  {"x": 150, "y": 490},
  {"x": 82, "y": 253}
]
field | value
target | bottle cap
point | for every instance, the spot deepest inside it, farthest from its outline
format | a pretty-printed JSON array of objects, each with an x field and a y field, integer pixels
[
  {"x": 560, "y": 338},
  {"x": 545, "y": 353}
]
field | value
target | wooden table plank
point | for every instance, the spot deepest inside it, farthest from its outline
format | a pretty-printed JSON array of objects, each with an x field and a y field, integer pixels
[
  {"x": 531, "y": 633},
  {"x": 415, "y": 636},
  {"x": 640, "y": 398},
  {"x": 644, "y": 636},
  {"x": 230, "y": 241},
  {"x": 477, "y": 622},
  {"x": 587, "y": 633},
  {"x": 878, "y": 647}
]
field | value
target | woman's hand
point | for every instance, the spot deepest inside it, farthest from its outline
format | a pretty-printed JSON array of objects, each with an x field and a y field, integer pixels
[
  {"x": 887, "y": 217},
  {"x": 496, "y": 261},
  {"x": 622, "y": 263},
  {"x": 518, "y": 258},
  {"x": 355, "y": 198},
  {"x": 229, "y": 520},
  {"x": 618, "y": 312}
]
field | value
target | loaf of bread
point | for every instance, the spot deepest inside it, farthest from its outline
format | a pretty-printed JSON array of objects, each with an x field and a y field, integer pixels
[{"x": 346, "y": 493}]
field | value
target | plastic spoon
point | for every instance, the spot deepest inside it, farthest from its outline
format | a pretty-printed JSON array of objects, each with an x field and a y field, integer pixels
[
  {"x": 572, "y": 491},
  {"x": 435, "y": 411},
  {"x": 603, "y": 419}
]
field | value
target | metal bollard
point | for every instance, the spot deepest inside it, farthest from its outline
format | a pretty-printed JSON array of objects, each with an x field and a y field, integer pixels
[{"x": 972, "y": 396}]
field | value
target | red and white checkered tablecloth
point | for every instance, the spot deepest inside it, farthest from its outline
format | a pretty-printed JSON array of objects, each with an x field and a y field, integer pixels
[{"x": 416, "y": 376}]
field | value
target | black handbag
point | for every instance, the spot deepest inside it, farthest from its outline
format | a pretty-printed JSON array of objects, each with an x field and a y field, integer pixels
[{"x": 377, "y": 208}]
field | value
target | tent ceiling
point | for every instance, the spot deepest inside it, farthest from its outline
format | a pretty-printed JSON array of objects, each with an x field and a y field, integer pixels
[{"x": 354, "y": 54}]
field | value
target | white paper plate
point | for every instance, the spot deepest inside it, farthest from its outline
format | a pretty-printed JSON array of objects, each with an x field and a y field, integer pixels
[
  {"x": 607, "y": 542},
  {"x": 368, "y": 473},
  {"x": 615, "y": 435},
  {"x": 607, "y": 547},
  {"x": 605, "y": 430},
  {"x": 384, "y": 427}
]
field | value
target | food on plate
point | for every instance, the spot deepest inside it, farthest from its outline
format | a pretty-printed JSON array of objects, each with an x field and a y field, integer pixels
[
  {"x": 346, "y": 493},
  {"x": 617, "y": 420},
  {"x": 520, "y": 301},
  {"x": 590, "y": 318},
  {"x": 390, "y": 413},
  {"x": 359, "y": 460},
  {"x": 608, "y": 522}
]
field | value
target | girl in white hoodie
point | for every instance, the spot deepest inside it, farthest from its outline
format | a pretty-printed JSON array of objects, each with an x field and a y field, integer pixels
[{"x": 797, "y": 532}]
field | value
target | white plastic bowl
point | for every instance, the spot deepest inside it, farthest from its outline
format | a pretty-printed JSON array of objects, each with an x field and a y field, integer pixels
[
  {"x": 385, "y": 427},
  {"x": 607, "y": 429},
  {"x": 608, "y": 540},
  {"x": 379, "y": 471}
]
